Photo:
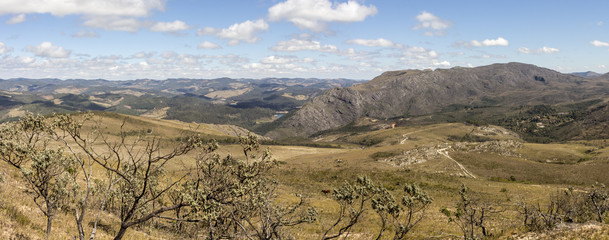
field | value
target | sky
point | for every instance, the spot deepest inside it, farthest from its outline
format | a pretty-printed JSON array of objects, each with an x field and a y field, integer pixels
[{"x": 356, "y": 39}]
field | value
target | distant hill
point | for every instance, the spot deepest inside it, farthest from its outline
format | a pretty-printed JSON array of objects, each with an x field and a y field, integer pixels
[
  {"x": 243, "y": 102},
  {"x": 586, "y": 74},
  {"x": 419, "y": 92}
]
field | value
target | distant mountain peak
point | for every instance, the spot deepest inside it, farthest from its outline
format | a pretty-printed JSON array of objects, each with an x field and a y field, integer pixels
[
  {"x": 416, "y": 92},
  {"x": 587, "y": 74}
]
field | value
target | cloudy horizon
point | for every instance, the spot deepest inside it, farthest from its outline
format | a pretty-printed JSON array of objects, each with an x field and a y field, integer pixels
[{"x": 158, "y": 39}]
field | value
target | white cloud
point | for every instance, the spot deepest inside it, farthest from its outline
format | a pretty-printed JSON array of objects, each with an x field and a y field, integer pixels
[
  {"x": 26, "y": 60},
  {"x": 274, "y": 65},
  {"x": 246, "y": 31},
  {"x": 440, "y": 64},
  {"x": 285, "y": 60},
  {"x": 600, "y": 23},
  {"x": 295, "y": 45},
  {"x": 546, "y": 50},
  {"x": 435, "y": 25},
  {"x": 277, "y": 60},
  {"x": 420, "y": 57},
  {"x": 490, "y": 42},
  {"x": 16, "y": 19},
  {"x": 598, "y": 43},
  {"x": 134, "y": 8},
  {"x": 257, "y": 66},
  {"x": 4, "y": 49},
  {"x": 47, "y": 49},
  {"x": 314, "y": 14},
  {"x": 208, "y": 45},
  {"x": 85, "y": 34},
  {"x": 485, "y": 43},
  {"x": 174, "y": 26},
  {"x": 115, "y": 23},
  {"x": 143, "y": 55},
  {"x": 381, "y": 42}
]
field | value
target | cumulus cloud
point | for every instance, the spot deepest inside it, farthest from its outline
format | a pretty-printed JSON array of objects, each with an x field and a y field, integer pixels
[
  {"x": 4, "y": 49},
  {"x": 314, "y": 14},
  {"x": 381, "y": 42},
  {"x": 277, "y": 60},
  {"x": 598, "y": 43},
  {"x": 239, "y": 32},
  {"x": 485, "y": 43},
  {"x": 490, "y": 42},
  {"x": 143, "y": 55},
  {"x": 16, "y": 19},
  {"x": 48, "y": 50},
  {"x": 295, "y": 45},
  {"x": 546, "y": 50},
  {"x": 208, "y": 45},
  {"x": 85, "y": 34},
  {"x": 440, "y": 63},
  {"x": 115, "y": 23},
  {"x": 435, "y": 26},
  {"x": 134, "y": 8},
  {"x": 422, "y": 58},
  {"x": 274, "y": 65},
  {"x": 115, "y": 15},
  {"x": 285, "y": 60},
  {"x": 174, "y": 26}
]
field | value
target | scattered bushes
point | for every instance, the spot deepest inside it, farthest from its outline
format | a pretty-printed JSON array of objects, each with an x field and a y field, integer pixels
[{"x": 570, "y": 206}]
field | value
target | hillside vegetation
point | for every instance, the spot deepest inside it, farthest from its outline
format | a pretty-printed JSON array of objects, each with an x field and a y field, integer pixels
[
  {"x": 242, "y": 102},
  {"x": 501, "y": 172},
  {"x": 412, "y": 93},
  {"x": 506, "y": 151}
]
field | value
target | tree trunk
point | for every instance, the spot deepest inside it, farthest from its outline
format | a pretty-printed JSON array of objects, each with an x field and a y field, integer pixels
[
  {"x": 50, "y": 213},
  {"x": 121, "y": 233},
  {"x": 49, "y": 224}
]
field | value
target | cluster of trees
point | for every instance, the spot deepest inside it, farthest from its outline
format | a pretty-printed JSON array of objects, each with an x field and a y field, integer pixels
[{"x": 73, "y": 165}]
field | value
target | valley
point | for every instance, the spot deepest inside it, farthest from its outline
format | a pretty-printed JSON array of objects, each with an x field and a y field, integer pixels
[{"x": 497, "y": 138}]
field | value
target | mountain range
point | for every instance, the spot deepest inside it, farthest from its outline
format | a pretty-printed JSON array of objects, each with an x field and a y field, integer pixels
[
  {"x": 411, "y": 93},
  {"x": 243, "y": 102}
]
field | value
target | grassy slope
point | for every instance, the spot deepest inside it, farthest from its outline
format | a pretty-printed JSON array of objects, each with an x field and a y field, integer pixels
[
  {"x": 19, "y": 216},
  {"x": 308, "y": 170}
]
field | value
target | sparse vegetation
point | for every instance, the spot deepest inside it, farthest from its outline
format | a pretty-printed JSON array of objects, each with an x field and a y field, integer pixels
[{"x": 238, "y": 191}]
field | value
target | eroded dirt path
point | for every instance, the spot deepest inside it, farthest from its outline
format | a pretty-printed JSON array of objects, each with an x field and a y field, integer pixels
[{"x": 467, "y": 173}]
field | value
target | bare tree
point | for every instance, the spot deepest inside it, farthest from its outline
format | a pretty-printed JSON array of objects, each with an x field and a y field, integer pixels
[
  {"x": 80, "y": 144},
  {"x": 138, "y": 165},
  {"x": 598, "y": 197}
]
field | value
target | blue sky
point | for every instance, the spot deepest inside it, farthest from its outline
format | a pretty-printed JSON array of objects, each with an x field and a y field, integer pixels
[{"x": 160, "y": 39}]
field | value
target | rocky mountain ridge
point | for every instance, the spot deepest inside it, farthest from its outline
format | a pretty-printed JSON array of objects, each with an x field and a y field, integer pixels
[{"x": 419, "y": 92}]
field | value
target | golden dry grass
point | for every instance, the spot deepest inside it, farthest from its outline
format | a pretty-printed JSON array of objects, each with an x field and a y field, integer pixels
[{"x": 308, "y": 170}]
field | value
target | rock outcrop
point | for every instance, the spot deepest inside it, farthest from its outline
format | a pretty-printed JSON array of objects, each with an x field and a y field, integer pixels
[{"x": 419, "y": 92}]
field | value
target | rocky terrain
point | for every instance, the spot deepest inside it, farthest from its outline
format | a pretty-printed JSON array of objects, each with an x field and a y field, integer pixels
[
  {"x": 244, "y": 102},
  {"x": 419, "y": 92}
]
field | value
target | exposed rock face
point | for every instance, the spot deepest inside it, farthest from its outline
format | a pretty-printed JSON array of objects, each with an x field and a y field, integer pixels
[{"x": 417, "y": 92}]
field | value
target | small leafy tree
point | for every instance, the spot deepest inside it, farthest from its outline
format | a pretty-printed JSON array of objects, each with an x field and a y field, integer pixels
[
  {"x": 47, "y": 172},
  {"x": 403, "y": 217},
  {"x": 351, "y": 199},
  {"x": 233, "y": 198}
]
